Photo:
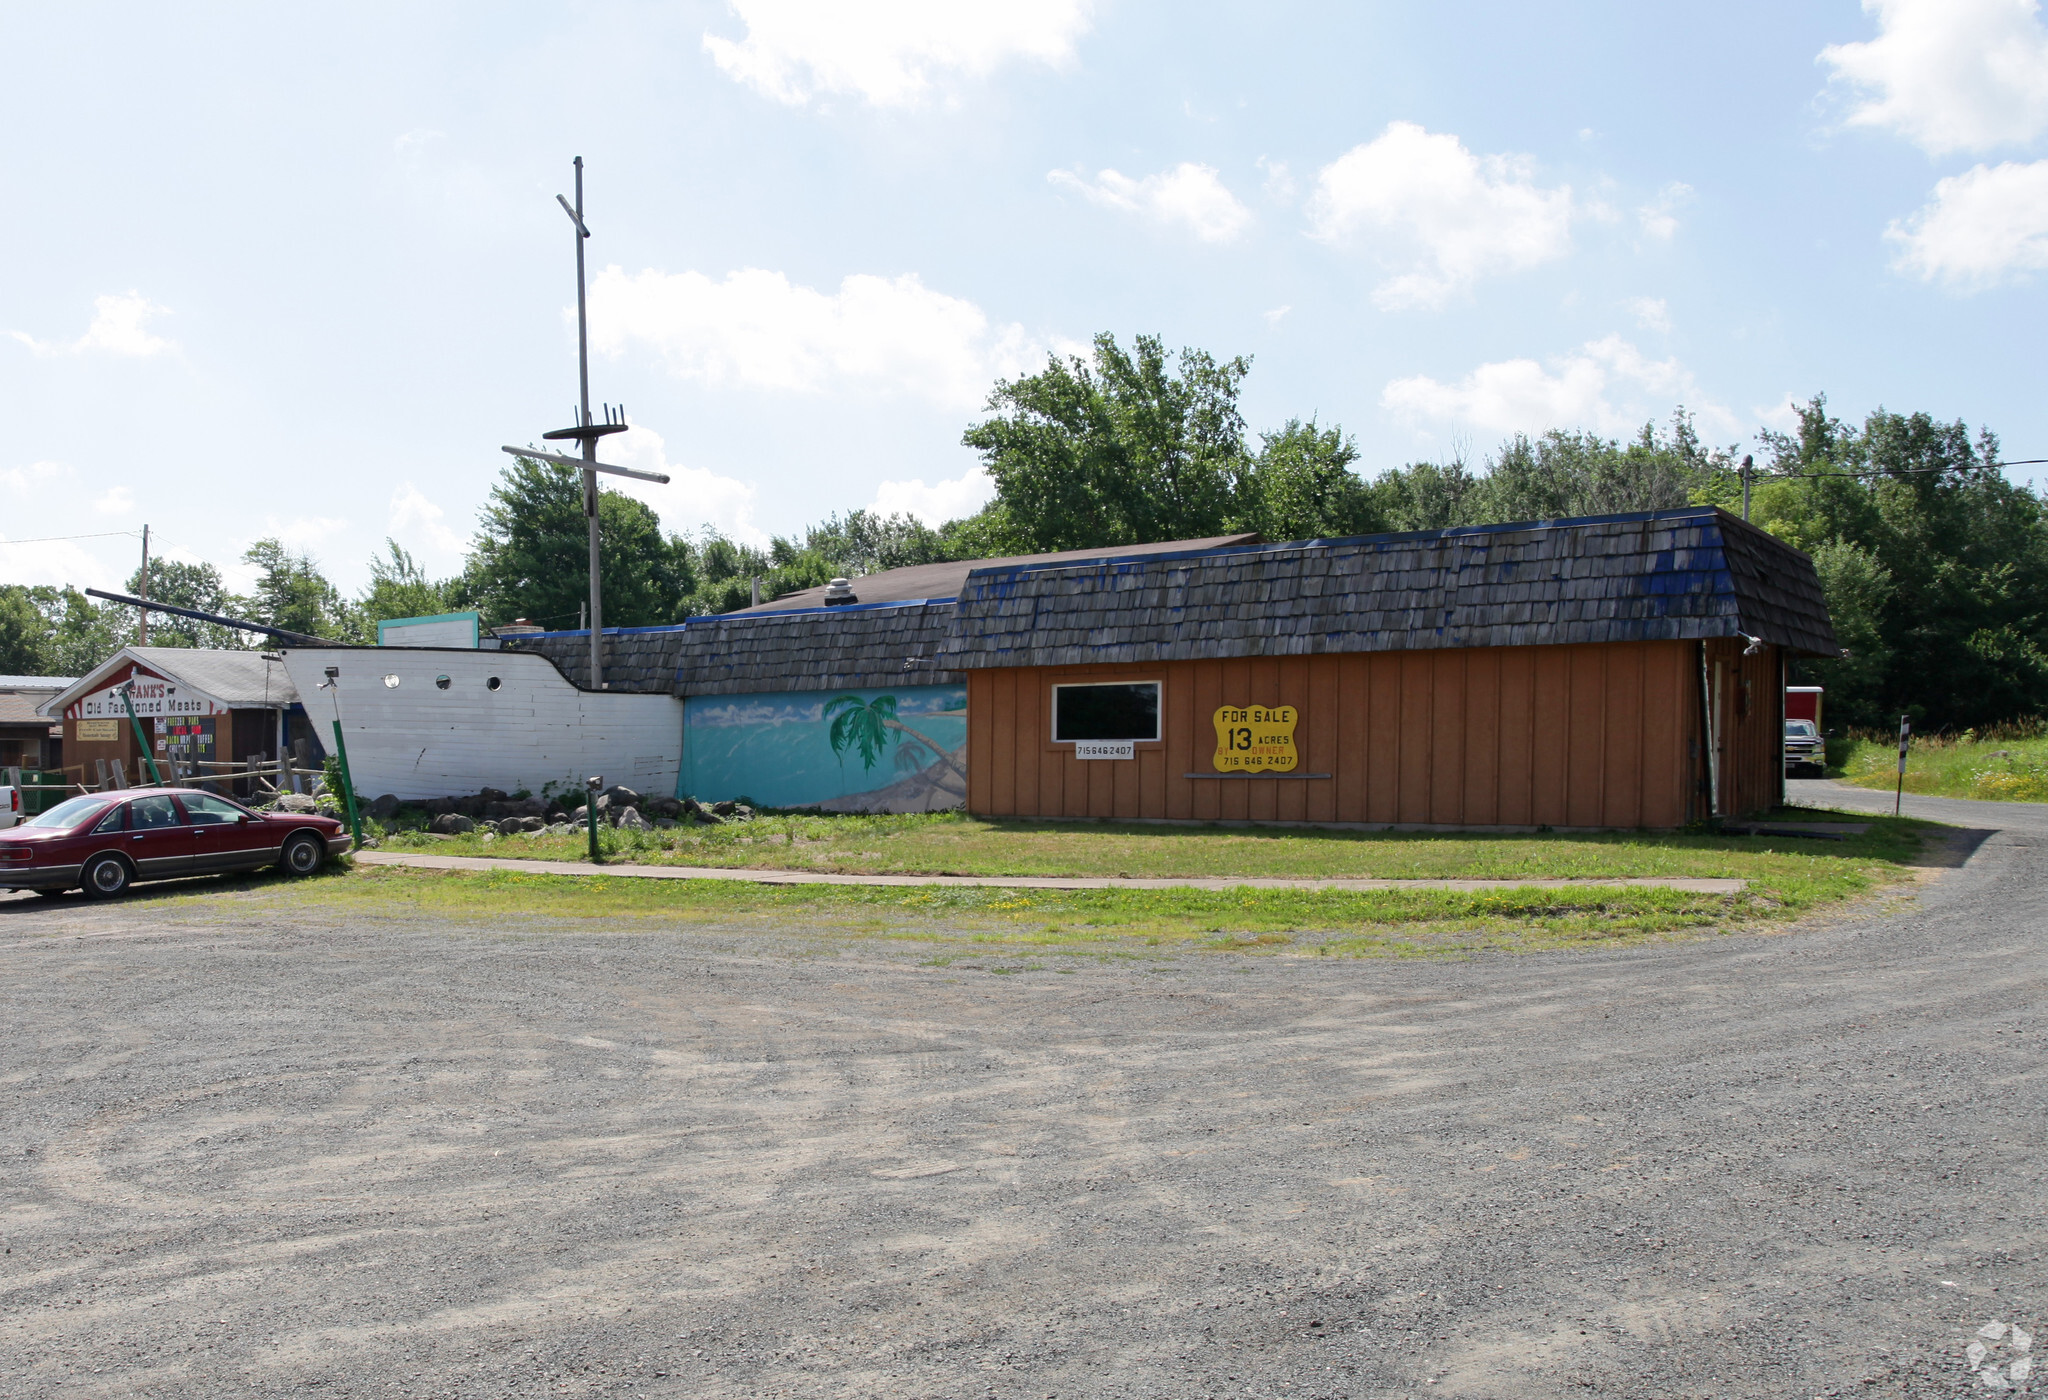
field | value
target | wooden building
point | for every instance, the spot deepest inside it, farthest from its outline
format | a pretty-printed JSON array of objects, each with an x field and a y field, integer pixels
[
  {"x": 1611, "y": 672},
  {"x": 193, "y": 707},
  {"x": 1620, "y": 671},
  {"x": 28, "y": 739}
]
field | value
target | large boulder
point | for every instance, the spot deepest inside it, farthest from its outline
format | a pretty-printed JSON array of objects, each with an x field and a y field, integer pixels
[
  {"x": 662, "y": 807},
  {"x": 451, "y": 824},
  {"x": 492, "y": 795},
  {"x": 631, "y": 820},
  {"x": 296, "y": 802},
  {"x": 622, "y": 796},
  {"x": 382, "y": 807}
]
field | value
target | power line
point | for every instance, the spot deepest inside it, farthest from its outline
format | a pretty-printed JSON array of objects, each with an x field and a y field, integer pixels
[{"x": 102, "y": 535}]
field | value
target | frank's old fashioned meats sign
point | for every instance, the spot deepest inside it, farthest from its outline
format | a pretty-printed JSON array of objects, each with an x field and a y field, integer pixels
[{"x": 154, "y": 698}]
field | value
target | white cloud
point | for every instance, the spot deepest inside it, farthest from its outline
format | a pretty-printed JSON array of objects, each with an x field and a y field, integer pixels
[
  {"x": 24, "y": 482},
  {"x": 58, "y": 563},
  {"x": 935, "y": 505},
  {"x": 1659, "y": 218},
  {"x": 890, "y": 52},
  {"x": 413, "y": 516},
  {"x": 1981, "y": 226},
  {"x": 1277, "y": 314},
  {"x": 1607, "y": 386},
  {"x": 115, "y": 500},
  {"x": 758, "y": 330},
  {"x": 1449, "y": 217},
  {"x": 1189, "y": 194},
  {"x": 119, "y": 327},
  {"x": 1950, "y": 75},
  {"x": 695, "y": 496},
  {"x": 302, "y": 532},
  {"x": 1650, "y": 312}
]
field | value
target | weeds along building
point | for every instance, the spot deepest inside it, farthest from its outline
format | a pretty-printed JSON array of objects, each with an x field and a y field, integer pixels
[{"x": 1615, "y": 671}]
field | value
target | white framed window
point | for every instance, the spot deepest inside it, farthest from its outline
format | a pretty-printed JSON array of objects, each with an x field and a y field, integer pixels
[{"x": 1110, "y": 711}]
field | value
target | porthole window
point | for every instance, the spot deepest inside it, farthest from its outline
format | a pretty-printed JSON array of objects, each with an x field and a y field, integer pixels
[
  {"x": 493, "y": 683},
  {"x": 440, "y": 682},
  {"x": 391, "y": 682}
]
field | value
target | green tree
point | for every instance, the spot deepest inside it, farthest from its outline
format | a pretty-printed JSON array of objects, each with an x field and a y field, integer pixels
[
  {"x": 1935, "y": 566},
  {"x": 399, "y": 587},
  {"x": 1300, "y": 486},
  {"x": 24, "y": 634},
  {"x": 187, "y": 585},
  {"x": 1120, "y": 451},
  {"x": 531, "y": 554},
  {"x": 293, "y": 594}
]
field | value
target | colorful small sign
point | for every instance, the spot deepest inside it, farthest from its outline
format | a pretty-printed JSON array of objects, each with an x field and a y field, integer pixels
[
  {"x": 99, "y": 731},
  {"x": 154, "y": 697},
  {"x": 1256, "y": 739}
]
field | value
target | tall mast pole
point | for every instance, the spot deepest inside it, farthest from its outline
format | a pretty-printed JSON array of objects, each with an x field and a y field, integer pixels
[
  {"x": 589, "y": 444},
  {"x": 142, "y": 614}
]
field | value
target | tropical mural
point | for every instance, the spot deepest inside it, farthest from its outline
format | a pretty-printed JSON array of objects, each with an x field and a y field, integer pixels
[{"x": 902, "y": 750}]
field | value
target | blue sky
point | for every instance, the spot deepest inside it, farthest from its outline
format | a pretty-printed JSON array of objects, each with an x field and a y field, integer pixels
[{"x": 274, "y": 270}]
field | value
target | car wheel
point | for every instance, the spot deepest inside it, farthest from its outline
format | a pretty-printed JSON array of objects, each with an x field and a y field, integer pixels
[
  {"x": 107, "y": 877},
  {"x": 302, "y": 855}
]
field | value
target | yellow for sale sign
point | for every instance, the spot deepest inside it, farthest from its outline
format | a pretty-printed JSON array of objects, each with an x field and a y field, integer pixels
[{"x": 1256, "y": 738}]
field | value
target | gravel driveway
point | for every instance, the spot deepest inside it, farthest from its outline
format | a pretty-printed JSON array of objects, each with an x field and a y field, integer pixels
[{"x": 254, "y": 1153}]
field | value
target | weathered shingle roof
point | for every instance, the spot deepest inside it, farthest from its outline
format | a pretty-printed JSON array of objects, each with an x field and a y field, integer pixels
[
  {"x": 1656, "y": 575},
  {"x": 863, "y": 646},
  {"x": 234, "y": 678}
]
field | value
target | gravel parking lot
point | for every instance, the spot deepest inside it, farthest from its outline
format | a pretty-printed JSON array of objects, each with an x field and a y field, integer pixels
[{"x": 253, "y": 1151}]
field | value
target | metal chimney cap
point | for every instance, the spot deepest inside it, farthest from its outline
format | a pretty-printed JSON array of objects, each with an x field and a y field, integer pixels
[{"x": 839, "y": 592}]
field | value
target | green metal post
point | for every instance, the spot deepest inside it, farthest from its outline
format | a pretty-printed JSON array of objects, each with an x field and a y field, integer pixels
[
  {"x": 143, "y": 743},
  {"x": 348, "y": 786},
  {"x": 591, "y": 809}
]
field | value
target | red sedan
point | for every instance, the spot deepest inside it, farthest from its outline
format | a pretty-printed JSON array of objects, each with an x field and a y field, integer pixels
[{"x": 106, "y": 841}]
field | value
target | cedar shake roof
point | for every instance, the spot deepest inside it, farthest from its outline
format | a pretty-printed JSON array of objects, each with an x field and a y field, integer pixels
[
  {"x": 1675, "y": 574},
  {"x": 1691, "y": 573},
  {"x": 860, "y": 646}
]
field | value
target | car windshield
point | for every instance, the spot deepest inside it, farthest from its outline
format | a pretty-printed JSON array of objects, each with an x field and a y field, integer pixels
[
  {"x": 72, "y": 811},
  {"x": 1799, "y": 728}
]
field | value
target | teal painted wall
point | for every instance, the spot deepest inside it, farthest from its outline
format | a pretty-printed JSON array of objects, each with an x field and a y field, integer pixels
[{"x": 900, "y": 750}]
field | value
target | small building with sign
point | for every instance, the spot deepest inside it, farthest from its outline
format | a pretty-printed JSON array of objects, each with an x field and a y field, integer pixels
[
  {"x": 191, "y": 707},
  {"x": 28, "y": 739}
]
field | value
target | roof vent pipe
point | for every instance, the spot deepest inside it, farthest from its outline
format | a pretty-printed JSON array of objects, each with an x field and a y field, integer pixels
[{"x": 838, "y": 593}]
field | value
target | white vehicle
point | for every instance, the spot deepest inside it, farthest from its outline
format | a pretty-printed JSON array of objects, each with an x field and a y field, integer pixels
[{"x": 10, "y": 807}]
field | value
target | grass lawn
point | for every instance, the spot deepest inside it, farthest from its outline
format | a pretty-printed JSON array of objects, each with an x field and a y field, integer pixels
[
  {"x": 1998, "y": 770},
  {"x": 1788, "y": 876}
]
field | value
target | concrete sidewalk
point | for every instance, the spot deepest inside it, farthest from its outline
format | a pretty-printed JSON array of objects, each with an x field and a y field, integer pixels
[{"x": 422, "y": 861}]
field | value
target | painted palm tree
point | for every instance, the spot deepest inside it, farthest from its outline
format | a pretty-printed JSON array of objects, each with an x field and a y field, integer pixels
[
  {"x": 862, "y": 725},
  {"x": 870, "y": 727}
]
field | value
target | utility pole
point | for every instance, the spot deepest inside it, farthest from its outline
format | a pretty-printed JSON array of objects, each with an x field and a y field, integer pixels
[
  {"x": 142, "y": 614},
  {"x": 1748, "y": 465},
  {"x": 587, "y": 431}
]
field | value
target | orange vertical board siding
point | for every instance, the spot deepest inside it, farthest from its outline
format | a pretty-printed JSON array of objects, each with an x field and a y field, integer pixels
[{"x": 1480, "y": 801}]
